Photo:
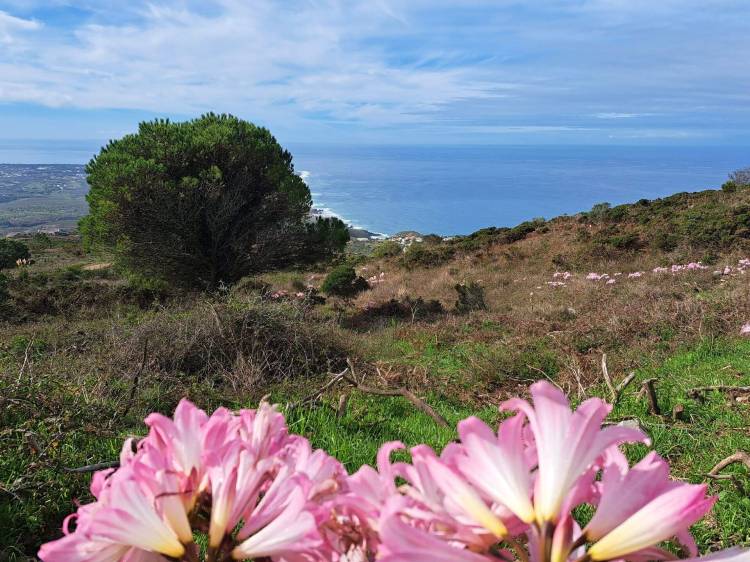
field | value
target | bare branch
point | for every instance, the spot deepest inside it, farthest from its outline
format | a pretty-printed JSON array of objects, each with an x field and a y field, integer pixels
[
  {"x": 607, "y": 378},
  {"x": 739, "y": 456},
  {"x": 699, "y": 390},
  {"x": 93, "y": 467}
]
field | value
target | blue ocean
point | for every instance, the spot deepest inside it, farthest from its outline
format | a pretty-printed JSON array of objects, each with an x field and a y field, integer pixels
[{"x": 459, "y": 189}]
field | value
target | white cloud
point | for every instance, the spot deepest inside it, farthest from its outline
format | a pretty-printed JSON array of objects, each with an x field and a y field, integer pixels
[
  {"x": 11, "y": 25},
  {"x": 255, "y": 58},
  {"x": 368, "y": 67}
]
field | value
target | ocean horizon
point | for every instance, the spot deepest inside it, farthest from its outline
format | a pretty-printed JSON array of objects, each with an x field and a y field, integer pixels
[{"x": 459, "y": 189}]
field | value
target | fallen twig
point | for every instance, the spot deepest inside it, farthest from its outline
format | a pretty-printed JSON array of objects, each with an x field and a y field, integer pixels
[
  {"x": 349, "y": 376},
  {"x": 698, "y": 390},
  {"x": 420, "y": 404},
  {"x": 314, "y": 396},
  {"x": 93, "y": 467},
  {"x": 624, "y": 383},
  {"x": 739, "y": 456}
]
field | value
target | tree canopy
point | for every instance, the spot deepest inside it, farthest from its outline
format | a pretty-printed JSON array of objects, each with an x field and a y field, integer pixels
[{"x": 203, "y": 202}]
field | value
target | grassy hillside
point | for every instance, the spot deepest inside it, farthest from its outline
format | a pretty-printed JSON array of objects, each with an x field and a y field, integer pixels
[{"x": 86, "y": 353}]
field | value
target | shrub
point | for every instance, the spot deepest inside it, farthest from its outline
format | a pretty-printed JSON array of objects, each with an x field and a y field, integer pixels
[
  {"x": 740, "y": 178},
  {"x": 665, "y": 241},
  {"x": 11, "y": 251},
  {"x": 470, "y": 297},
  {"x": 598, "y": 212},
  {"x": 432, "y": 239},
  {"x": 424, "y": 255},
  {"x": 405, "y": 308},
  {"x": 202, "y": 203},
  {"x": 626, "y": 241},
  {"x": 237, "y": 344},
  {"x": 387, "y": 249},
  {"x": 344, "y": 282},
  {"x": 522, "y": 230},
  {"x": 4, "y": 294},
  {"x": 41, "y": 241}
]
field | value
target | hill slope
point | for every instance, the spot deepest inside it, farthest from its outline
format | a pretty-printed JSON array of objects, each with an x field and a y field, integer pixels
[{"x": 659, "y": 287}]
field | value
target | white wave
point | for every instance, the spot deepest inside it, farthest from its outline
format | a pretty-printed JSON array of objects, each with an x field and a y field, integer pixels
[{"x": 304, "y": 174}]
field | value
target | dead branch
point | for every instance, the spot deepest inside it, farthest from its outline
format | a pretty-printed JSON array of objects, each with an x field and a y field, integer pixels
[
  {"x": 739, "y": 456},
  {"x": 315, "y": 396},
  {"x": 649, "y": 389},
  {"x": 349, "y": 376},
  {"x": 418, "y": 403},
  {"x": 624, "y": 383},
  {"x": 699, "y": 390},
  {"x": 607, "y": 378},
  {"x": 93, "y": 467}
]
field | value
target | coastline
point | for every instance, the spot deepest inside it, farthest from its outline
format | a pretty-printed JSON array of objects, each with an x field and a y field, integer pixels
[{"x": 355, "y": 232}]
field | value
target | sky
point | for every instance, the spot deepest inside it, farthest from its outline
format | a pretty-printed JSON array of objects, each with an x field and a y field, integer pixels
[{"x": 644, "y": 72}]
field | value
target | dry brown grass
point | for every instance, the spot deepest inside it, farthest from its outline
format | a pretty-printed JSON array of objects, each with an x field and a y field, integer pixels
[{"x": 633, "y": 320}]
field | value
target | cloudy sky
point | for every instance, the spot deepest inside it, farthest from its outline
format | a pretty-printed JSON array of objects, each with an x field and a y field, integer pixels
[{"x": 383, "y": 71}]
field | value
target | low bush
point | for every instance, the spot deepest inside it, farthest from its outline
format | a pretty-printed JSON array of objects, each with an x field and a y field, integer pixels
[
  {"x": 426, "y": 255},
  {"x": 470, "y": 297},
  {"x": 344, "y": 282},
  {"x": 387, "y": 249},
  {"x": 12, "y": 251},
  {"x": 405, "y": 308},
  {"x": 238, "y": 344}
]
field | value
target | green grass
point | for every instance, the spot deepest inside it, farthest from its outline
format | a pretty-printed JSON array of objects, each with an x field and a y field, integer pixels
[
  {"x": 36, "y": 494},
  {"x": 370, "y": 421},
  {"x": 713, "y": 429}
]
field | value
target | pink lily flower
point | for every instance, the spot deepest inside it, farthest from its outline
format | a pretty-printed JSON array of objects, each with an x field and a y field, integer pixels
[
  {"x": 180, "y": 438},
  {"x": 130, "y": 517},
  {"x": 567, "y": 443},
  {"x": 292, "y": 532},
  {"x": 498, "y": 465},
  {"x": 402, "y": 542},
  {"x": 640, "y": 507}
]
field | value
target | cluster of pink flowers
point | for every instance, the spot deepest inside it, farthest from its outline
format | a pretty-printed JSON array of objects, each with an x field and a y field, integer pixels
[
  {"x": 375, "y": 279},
  {"x": 597, "y": 276},
  {"x": 282, "y": 294},
  {"x": 742, "y": 266},
  {"x": 564, "y": 275},
  {"x": 679, "y": 268},
  {"x": 256, "y": 492}
]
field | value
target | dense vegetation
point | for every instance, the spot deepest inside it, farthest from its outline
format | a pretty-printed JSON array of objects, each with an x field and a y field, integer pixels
[
  {"x": 87, "y": 349},
  {"x": 202, "y": 203}
]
